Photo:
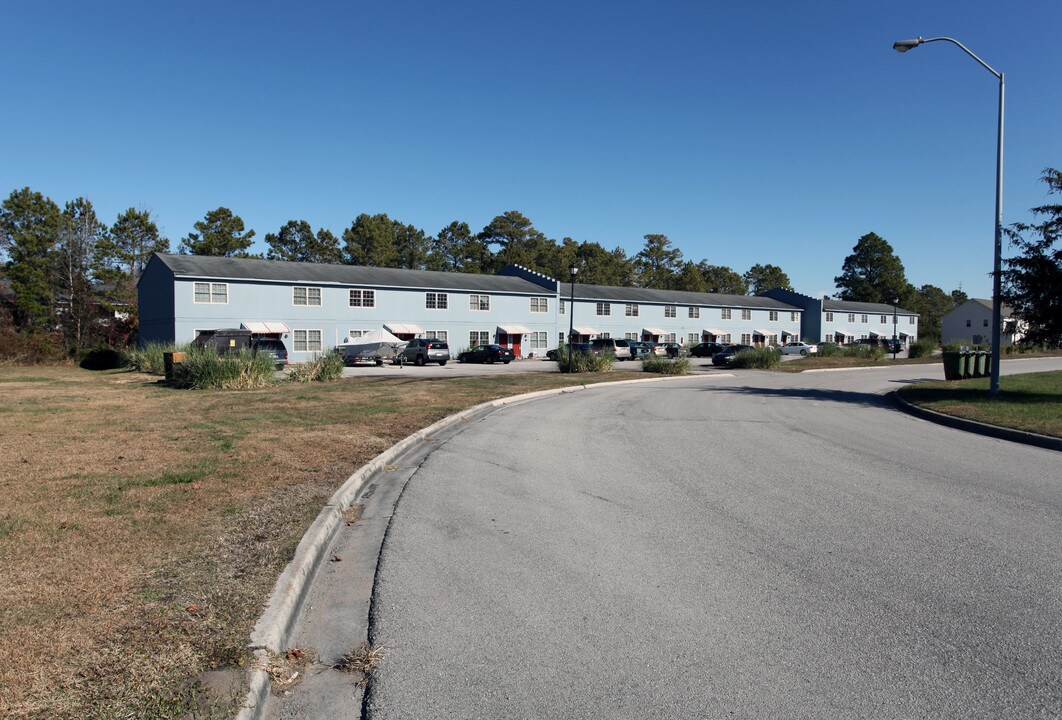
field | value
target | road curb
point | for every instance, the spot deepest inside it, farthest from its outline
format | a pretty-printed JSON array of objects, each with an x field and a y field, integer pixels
[
  {"x": 276, "y": 623},
  {"x": 1019, "y": 436}
]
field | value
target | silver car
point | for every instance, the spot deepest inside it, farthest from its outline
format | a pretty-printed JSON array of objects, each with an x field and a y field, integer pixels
[{"x": 799, "y": 348}]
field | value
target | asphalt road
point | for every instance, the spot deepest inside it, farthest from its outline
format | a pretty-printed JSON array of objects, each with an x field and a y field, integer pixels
[{"x": 764, "y": 545}]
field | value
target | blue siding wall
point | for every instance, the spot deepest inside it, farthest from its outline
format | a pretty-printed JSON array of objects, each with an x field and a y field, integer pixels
[{"x": 155, "y": 304}]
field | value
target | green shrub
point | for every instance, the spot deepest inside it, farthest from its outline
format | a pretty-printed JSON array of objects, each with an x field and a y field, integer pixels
[
  {"x": 666, "y": 366},
  {"x": 921, "y": 348},
  {"x": 323, "y": 368},
  {"x": 148, "y": 359},
  {"x": 760, "y": 358},
  {"x": 103, "y": 358},
  {"x": 865, "y": 352},
  {"x": 830, "y": 349},
  {"x": 951, "y": 345},
  {"x": 584, "y": 362},
  {"x": 204, "y": 369}
]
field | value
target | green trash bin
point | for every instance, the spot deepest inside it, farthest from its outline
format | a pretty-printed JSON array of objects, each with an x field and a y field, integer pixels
[
  {"x": 988, "y": 363},
  {"x": 976, "y": 361},
  {"x": 954, "y": 364}
]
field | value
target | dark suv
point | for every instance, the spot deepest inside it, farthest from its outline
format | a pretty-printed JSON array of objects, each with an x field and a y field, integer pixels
[
  {"x": 274, "y": 348},
  {"x": 425, "y": 350}
]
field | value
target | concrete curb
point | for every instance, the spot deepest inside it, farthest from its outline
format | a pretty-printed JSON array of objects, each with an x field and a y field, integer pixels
[
  {"x": 278, "y": 620},
  {"x": 1019, "y": 436}
]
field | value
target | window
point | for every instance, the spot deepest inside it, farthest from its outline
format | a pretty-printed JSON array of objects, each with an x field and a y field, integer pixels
[
  {"x": 539, "y": 304},
  {"x": 773, "y": 315},
  {"x": 670, "y": 337},
  {"x": 605, "y": 335},
  {"x": 670, "y": 311},
  {"x": 910, "y": 320},
  {"x": 746, "y": 339},
  {"x": 630, "y": 336},
  {"x": 631, "y": 310},
  {"x": 436, "y": 301},
  {"x": 363, "y": 298},
  {"x": 306, "y": 296},
  {"x": 884, "y": 319},
  {"x": 560, "y": 338},
  {"x": 693, "y": 337},
  {"x": 695, "y": 312},
  {"x": 863, "y": 319},
  {"x": 538, "y": 340},
  {"x": 563, "y": 307},
  {"x": 724, "y": 339},
  {"x": 604, "y": 309},
  {"x": 794, "y": 316},
  {"x": 354, "y": 334},
  {"x": 829, "y": 317},
  {"x": 986, "y": 322},
  {"x": 851, "y": 317},
  {"x": 478, "y": 337},
  {"x": 724, "y": 313},
  {"x": 479, "y": 302},
  {"x": 746, "y": 314},
  {"x": 968, "y": 323},
  {"x": 437, "y": 335},
  {"x": 212, "y": 293},
  {"x": 307, "y": 340}
]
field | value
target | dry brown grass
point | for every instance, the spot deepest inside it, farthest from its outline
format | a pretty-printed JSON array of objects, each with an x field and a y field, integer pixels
[{"x": 143, "y": 527}]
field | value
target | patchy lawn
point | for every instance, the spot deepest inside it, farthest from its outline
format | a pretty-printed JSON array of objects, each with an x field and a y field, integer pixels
[
  {"x": 143, "y": 527},
  {"x": 1031, "y": 402}
]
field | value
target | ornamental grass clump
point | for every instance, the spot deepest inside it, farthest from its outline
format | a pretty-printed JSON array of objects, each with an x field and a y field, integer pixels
[
  {"x": 761, "y": 358},
  {"x": 829, "y": 349},
  {"x": 204, "y": 369},
  {"x": 865, "y": 352},
  {"x": 148, "y": 359},
  {"x": 666, "y": 366},
  {"x": 323, "y": 368},
  {"x": 921, "y": 348},
  {"x": 584, "y": 362}
]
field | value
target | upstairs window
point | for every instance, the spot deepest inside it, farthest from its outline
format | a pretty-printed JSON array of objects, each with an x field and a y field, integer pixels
[
  {"x": 306, "y": 296},
  {"x": 829, "y": 317},
  {"x": 773, "y": 315},
  {"x": 363, "y": 298},
  {"x": 746, "y": 314},
  {"x": 479, "y": 303},
  {"x": 631, "y": 310},
  {"x": 695, "y": 312},
  {"x": 670, "y": 311},
  {"x": 724, "y": 313},
  {"x": 211, "y": 293},
  {"x": 436, "y": 301},
  {"x": 604, "y": 308},
  {"x": 539, "y": 304}
]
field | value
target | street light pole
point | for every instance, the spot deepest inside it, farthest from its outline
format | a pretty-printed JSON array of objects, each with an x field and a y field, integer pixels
[
  {"x": 573, "y": 270},
  {"x": 903, "y": 46},
  {"x": 895, "y": 302}
]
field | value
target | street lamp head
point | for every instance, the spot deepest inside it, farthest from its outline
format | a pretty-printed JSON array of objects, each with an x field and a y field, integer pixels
[
  {"x": 573, "y": 269},
  {"x": 902, "y": 46}
]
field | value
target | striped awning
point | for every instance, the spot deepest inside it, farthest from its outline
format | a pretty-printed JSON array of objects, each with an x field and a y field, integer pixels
[
  {"x": 584, "y": 331},
  {"x": 514, "y": 330},
  {"x": 404, "y": 329},
  {"x": 765, "y": 333},
  {"x": 653, "y": 331},
  {"x": 714, "y": 331},
  {"x": 266, "y": 328}
]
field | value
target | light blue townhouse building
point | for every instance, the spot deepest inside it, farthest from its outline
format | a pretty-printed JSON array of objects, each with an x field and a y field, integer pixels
[
  {"x": 845, "y": 321},
  {"x": 314, "y": 307}
]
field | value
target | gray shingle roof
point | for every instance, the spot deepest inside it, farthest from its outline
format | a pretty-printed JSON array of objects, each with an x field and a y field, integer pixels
[
  {"x": 673, "y": 297},
  {"x": 220, "y": 268},
  {"x": 850, "y": 306}
]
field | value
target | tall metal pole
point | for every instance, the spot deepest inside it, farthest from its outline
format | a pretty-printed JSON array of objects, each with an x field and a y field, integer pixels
[
  {"x": 573, "y": 271},
  {"x": 894, "y": 338},
  {"x": 993, "y": 387}
]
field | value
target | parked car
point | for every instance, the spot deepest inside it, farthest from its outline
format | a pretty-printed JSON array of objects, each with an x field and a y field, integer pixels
[
  {"x": 576, "y": 347},
  {"x": 425, "y": 350},
  {"x": 706, "y": 349},
  {"x": 674, "y": 350},
  {"x": 892, "y": 346},
  {"x": 272, "y": 347},
  {"x": 656, "y": 348},
  {"x": 487, "y": 354},
  {"x": 619, "y": 347},
  {"x": 799, "y": 348},
  {"x": 726, "y": 356},
  {"x": 639, "y": 349}
]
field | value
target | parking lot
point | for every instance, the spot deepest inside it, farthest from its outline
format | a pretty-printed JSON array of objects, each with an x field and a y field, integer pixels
[{"x": 456, "y": 369}]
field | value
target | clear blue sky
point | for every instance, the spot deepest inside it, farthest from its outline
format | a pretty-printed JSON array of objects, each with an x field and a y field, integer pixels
[{"x": 748, "y": 132}]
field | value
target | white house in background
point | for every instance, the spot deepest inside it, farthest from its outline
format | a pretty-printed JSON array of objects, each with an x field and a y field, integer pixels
[{"x": 971, "y": 323}]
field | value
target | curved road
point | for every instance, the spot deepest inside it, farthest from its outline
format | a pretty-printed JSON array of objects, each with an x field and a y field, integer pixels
[{"x": 764, "y": 545}]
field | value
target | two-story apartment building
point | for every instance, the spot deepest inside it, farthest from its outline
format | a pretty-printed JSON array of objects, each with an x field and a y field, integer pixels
[
  {"x": 314, "y": 307},
  {"x": 844, "y": 321}
]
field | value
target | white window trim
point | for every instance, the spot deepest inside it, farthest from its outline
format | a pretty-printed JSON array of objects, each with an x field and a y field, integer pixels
[
  {"x": 538, "y": 304},
  {"x": 478, "y": 298},
  {"x": 445, "y": 305},
  {"x": 295, "y": 335}
]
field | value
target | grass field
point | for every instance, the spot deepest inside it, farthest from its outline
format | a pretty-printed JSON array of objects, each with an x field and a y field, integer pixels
[
  {"x": 143, "y": 527},
  {"x": 1031, "y": 402}
]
